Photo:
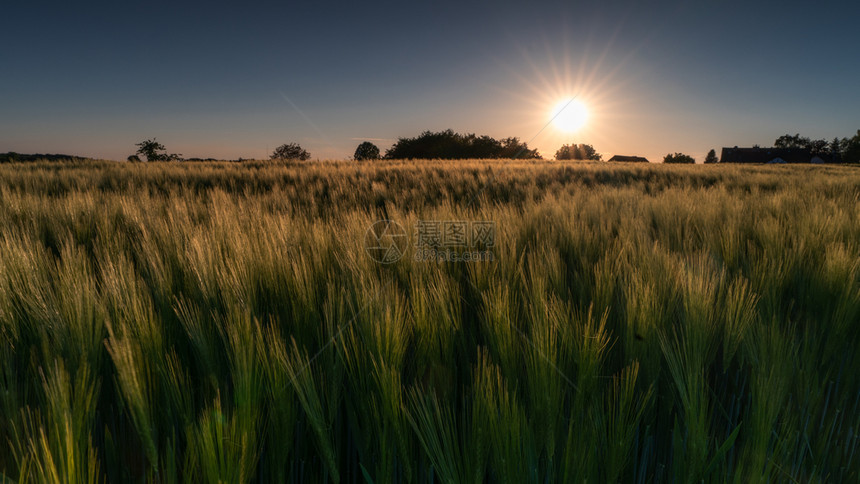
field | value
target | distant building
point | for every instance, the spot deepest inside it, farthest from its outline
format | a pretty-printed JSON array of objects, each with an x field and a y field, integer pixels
[
  {"x": 633, "y": 159},
  {"x": 773, "y": 155}
]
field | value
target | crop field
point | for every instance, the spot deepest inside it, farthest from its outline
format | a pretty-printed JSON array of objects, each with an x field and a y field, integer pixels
[{"x": 226, "y": 322}]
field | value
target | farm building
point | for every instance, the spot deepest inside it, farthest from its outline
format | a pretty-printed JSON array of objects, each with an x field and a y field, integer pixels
[
  {"x": 635, "y": 159},
  {"x": 772, "y": 155}
]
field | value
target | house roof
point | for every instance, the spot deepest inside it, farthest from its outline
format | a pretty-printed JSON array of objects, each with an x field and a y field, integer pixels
[
  {"x": 638, "y": 159},
  {"x": 766, "y": 155}
]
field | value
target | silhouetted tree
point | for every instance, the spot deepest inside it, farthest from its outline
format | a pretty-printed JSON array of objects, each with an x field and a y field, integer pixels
[
  {"x": 450, "y": 145},
  {"x": 789, "y": 141},
  {"x": 366, "y": 151},
  {"x": 133, "y": 159},
  {"x": 678, "y": 158},
  {"x": 482, "y": 147},
  {"x": 578, "y": 152},
  {"x": 815, "y": 146},
  {"x": 513, "y": 148},
  {"x": 12, "y": 157},
  {"x": 290, "y": 151},
  {"x": 837, "y": 146},
  {"x": 818, "y": 146},
  {"x": 851, "y": 152},
  {"x": 150, "y": 149},
  {"x": 711, "y": 157}
]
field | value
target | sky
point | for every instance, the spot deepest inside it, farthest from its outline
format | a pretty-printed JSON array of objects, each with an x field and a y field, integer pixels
[{"x": 236, "y": 79}]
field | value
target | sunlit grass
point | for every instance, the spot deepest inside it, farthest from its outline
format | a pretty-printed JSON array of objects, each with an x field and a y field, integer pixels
[{"x": 222, "y": 322}]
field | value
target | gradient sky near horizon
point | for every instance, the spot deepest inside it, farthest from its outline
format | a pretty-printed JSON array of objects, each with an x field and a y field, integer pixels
[{"x": 228, "y": 79}]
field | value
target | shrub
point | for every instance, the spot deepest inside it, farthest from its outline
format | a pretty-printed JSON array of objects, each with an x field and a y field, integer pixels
[
  {"x": 577, "y": 152},
  {"x": 367, "y": 151},
  {"x": 450, "y": 145},
  {"x": 712, "y": 157},
  {"x": 679, "y": 158},
  {"x": 290, "y": 151},
  {"x": 152, "y": 149}
]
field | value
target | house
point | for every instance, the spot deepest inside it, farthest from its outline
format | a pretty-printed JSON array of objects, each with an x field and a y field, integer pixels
[
  {"x": 634, "y": 159},
  {"x": 772, "y": 155}
]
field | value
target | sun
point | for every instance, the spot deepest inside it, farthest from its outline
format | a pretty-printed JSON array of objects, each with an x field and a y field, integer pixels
[{"x": 569, "y": 115}]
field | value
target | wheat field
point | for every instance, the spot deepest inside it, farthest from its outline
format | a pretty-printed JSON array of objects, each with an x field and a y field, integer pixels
[{"x": 224, "y": 322}]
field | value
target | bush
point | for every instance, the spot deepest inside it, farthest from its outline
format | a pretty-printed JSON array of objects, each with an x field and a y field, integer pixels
[
  {"x": 712, "y": 157},
  {"x": 290, "y": 151},
  {"x": 455, "y": 146},
  {"x": 679, "y": 158},
  {"x": 366, "y": 151},
  {"x": 577, "y": 152},
  {"x": 151, "y": 149},
  {"x": 852, "y": 149}
]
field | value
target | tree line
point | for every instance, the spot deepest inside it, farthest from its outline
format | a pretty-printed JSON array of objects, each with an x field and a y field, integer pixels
[
  {"x": 448, "y": 144},
  {"x": 445, "y": 144},
  {"x": 844, "y": 149},
  {"x": 13, "y": 157}
]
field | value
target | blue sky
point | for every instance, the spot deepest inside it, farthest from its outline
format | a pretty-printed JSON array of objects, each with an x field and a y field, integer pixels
[{"x": 229, "y": 80}]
